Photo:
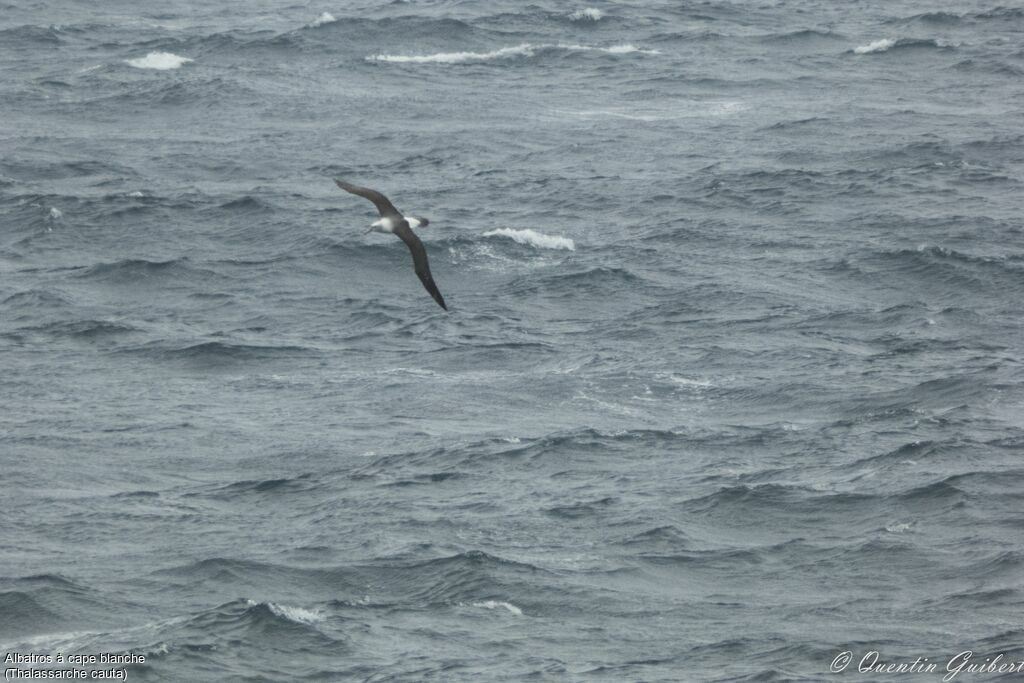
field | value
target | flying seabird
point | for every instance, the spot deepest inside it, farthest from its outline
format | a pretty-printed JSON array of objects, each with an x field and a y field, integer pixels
[{"x": 392, "y": 221}]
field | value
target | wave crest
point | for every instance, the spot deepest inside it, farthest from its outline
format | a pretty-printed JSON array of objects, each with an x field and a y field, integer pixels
[
  {"x": 497, "y": 604},
  {"x": 522, "y": 50},
  {"x": 534, "y": 238},
  {"x": 877, "y": 46},
  {"x": 298, "y": 615},
  {"x": 886, "y": 44},
  {"x": 158, "y": 60},
  {"x": 588, "y": 14},
  {"x": 325, "y": 18}
]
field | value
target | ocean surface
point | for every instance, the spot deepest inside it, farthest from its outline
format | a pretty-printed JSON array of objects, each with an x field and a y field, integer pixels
[{"x": 731, "y": 383}]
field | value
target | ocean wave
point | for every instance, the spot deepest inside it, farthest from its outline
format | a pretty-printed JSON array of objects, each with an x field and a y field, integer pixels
[
  {"x": 137, "y": 269},
  {"x": 802, "y": 35},
  {"x": 499, "y": 604},
  {"x": 929, "y": 18},
  {"x": 43, "y": 169},
  {"x": 1001, "y": 13},
  {"x": 576, "y": 282},
  {"x": 159, "y": 60},
  {"x": 259, "y": 486},
  {"x": 886, "y": 44},
  {"x": 86, "y": 329},
  {"x": 44, "y": 582},
  {"x": 470, "y": 558},
  {"x": 666, "y": 537},
  {"x": 587, "y": 14},
  {"x": 217, "y": 351},
  {"x": 533, "y": 238},
  {"x": 624, "y": 49},
  {"x": 298, "y": 615},
  {"x": 36, "y": 299},
  {"x": 877, "y": 46},
  {"x": 24, "y": 612},
  {"x": 31, "y": 34},
  {"x": 907, "y": 454},
  {"x": 522, "y": 50},
  {"x": 176, "y": 92},
  {"x": 247, "y": 204},
  {"x": 780, "y": 499},
  {"x": 325, "y": 18},
  {"x": 951, "y": 266},
  {"x": 994, "y": 66},
  {"x": 40, "y": 601},
  {"x": 582, "y": 510}
]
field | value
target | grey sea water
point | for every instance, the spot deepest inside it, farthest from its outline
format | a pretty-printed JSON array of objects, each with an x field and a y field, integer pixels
[{"x": 731, "y": 383}]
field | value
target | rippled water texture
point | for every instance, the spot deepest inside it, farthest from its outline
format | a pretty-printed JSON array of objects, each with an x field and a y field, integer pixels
[{"x": 731, "y": 381}]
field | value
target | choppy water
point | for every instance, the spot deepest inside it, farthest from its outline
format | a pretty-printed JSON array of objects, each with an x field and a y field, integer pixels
[{"x": 731, "y": 383}]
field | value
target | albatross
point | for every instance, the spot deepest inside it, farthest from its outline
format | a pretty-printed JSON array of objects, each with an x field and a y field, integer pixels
[{"x": 393, "y": 222}]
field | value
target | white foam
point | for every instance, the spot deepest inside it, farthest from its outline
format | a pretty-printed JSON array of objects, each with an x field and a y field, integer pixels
[
  {"x": 589, "y": 13},
  {"x": 495, "y": 604},
  {"x": 137, "y": 193},
  {"x": 686, "y": 381},
  {"x": 523, "y": 50},
  {"x": 55, "y": 213},
  {"x": 325, "y": 18},
  {"x": 897, "y": 528},
  {"x": 534, "y": 238},
  {"x": 299, "y": 615},
  {"x": 877, "y": 46},
  {"x": 158, "y": 60},
  {"x": 624, "y": 49}
]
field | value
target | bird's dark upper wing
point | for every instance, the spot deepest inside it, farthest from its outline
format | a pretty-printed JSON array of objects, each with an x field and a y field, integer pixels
[
  {"x": 383, "y": 204},
  {"x": 419, "y": 260}
]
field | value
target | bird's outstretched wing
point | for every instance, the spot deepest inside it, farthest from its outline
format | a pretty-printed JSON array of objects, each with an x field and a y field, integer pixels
[
  {"x": 383, "y": 204},
  {"x": 419, "y": 260}
]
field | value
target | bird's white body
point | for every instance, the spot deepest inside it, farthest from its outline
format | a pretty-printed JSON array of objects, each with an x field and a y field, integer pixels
[{"x": 387, "y": 225}]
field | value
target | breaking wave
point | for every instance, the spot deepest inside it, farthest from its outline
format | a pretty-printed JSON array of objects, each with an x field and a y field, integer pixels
[
  {"x": 523, "y": 50},
  {"x": 533, "y": 238},
  {"x": 877, "y": 46},
  {"x": 158, "y": 60},
  {"x": 587, "y": 14},
  {"x": 325, "y": 18}
]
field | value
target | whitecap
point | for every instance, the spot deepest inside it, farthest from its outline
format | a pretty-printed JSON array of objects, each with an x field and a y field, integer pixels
[
  {"x": 523, "y": 50},
  {"x": 325, "y": 18},
  {"x": 623, "y": 49},
  {"x": 877, "y": 46},
  {"x": 299, "y": 615},
  {"x": 158, "y": 60},
  {"x": 686, "y": 381},
  {"x": 137, "y": 193},
  {"x": 495, "y": 604},
  {"x": 534, "y": 238},
  {"x": 55, "y": 213},
  {"x": 589, "y": 13}
]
